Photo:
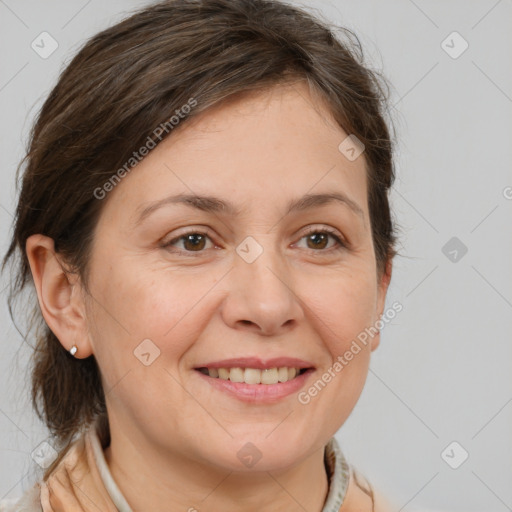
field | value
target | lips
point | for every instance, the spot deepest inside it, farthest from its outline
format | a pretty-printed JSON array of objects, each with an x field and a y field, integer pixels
[{"x": 261, "y": 393}]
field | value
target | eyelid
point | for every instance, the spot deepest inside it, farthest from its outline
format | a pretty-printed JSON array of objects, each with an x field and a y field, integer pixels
[
  {"x": 341, "y": 241},
  {"x": 187, "y": 231}
]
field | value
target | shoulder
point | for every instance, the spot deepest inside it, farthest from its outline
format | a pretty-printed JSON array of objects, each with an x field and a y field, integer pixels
[
  {"x": 363, "y": 497},
  {"x": 29, "y": 502}
]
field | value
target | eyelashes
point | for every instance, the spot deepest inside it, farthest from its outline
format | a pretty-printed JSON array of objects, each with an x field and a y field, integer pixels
[{"x": 197, "y": 240}]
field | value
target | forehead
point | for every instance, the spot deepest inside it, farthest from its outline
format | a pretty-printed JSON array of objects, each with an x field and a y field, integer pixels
[{"x": 265, "y": 148}]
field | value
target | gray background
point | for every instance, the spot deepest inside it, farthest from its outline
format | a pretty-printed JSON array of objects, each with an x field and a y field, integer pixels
[{"x": 443, "y": 370}]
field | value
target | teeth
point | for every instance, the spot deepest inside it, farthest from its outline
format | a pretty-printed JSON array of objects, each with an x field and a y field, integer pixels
[
  {"x": 223, "y": 374},
  {"x": 254, "y": 375},
  {"x": 269, "y": 376},
  {"x": 236, "y": 375}
]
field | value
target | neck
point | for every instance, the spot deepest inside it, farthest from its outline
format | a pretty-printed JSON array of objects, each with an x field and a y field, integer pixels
[{"x": 191, "y": 486}]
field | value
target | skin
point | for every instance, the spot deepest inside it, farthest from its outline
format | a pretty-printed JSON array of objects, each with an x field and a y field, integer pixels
[{"x": 172, "y": 432}]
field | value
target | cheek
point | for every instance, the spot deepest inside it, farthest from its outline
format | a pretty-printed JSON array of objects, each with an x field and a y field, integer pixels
[
  {"x": 343, "y": 305},
  {"x": 342, "y": 313},
  {"x": 133, "y": 306}
]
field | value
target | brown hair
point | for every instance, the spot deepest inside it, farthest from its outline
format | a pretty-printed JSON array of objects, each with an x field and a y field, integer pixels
[{"x": 128, "y": 80}]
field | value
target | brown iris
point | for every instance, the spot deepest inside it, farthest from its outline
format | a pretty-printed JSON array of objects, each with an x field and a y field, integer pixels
[
  {"x": 194, "y": 241},
  {"x": 323, "y": 237}
]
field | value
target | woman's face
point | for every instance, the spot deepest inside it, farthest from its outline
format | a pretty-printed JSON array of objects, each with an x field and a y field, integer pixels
[{"x": 189, "y": 285}]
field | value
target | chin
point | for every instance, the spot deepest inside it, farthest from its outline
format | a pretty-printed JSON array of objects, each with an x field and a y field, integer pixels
[{"x": 264, "y": 452}]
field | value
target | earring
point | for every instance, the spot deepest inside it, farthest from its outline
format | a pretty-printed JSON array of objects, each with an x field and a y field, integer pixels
[{"x": 73, "y": 350}]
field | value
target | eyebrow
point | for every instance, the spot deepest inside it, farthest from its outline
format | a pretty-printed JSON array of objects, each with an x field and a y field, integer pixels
[{"x": 213, "y": 204}]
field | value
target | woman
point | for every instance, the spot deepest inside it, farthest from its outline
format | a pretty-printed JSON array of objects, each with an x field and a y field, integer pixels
[{"x": 204, "y": 218}]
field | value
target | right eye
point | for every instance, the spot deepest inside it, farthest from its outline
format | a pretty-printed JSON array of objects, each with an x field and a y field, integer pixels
[{"x": 193, "y": 241}]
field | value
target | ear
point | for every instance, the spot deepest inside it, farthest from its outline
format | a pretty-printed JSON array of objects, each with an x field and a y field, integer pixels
[
  {"x": 381, "y": 298},
  {"x": 59, "y": 295}
]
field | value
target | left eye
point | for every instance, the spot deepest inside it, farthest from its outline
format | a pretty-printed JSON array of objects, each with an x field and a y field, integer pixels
[{"x": 319, "y": 239}]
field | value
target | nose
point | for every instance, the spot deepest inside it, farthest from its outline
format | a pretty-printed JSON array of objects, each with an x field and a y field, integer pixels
[{"x": 261, "y": 296}]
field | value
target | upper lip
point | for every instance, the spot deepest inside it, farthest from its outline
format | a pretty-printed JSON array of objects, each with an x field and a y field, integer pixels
[{"x": 258, "y": 363}]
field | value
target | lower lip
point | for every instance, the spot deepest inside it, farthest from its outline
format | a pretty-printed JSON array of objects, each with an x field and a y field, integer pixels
[{"x": 258, "y": 393}]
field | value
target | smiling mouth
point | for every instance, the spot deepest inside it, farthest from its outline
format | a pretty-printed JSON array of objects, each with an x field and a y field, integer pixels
[{"x": 254, "y": 375}]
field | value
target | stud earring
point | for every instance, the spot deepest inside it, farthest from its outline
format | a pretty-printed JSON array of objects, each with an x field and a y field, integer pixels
[{"x": 73, "y": 350}]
